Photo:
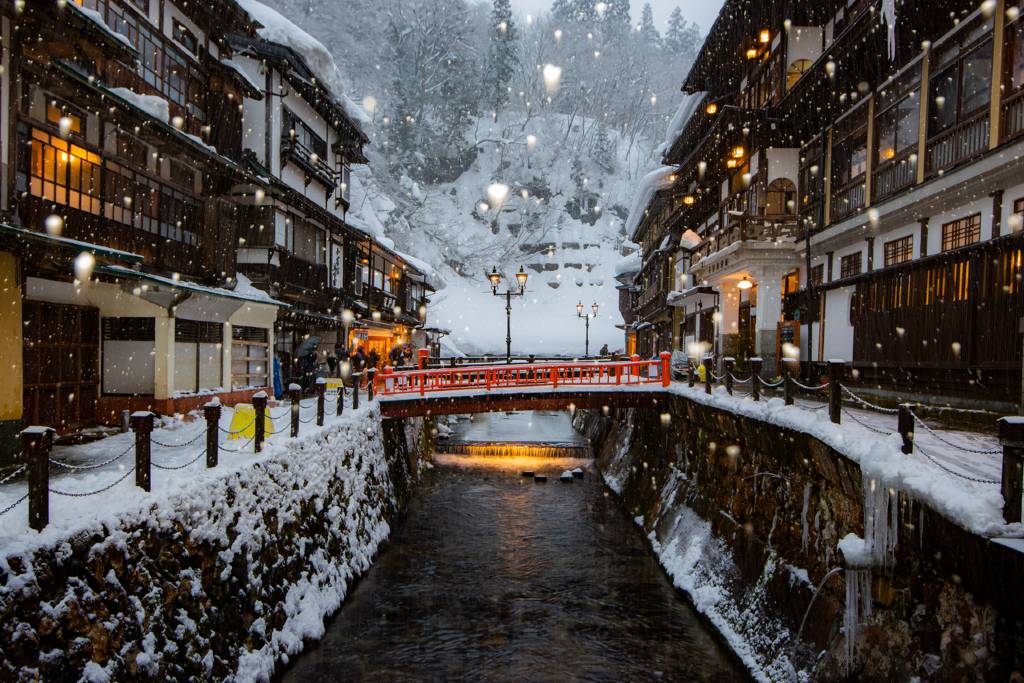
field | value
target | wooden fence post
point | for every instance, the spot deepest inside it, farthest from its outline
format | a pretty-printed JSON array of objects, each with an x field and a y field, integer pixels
[
  {"x": 36, "y": 443},
  {"x": 259, "y": 404},
  {"x": 211, "y": 413},
  {"x": 666, "y": 368},
  {"x": 321, "y": 396},
  {"x": 295, "y": 397},
  {"x": 356, "y": 376},
  {"x": 371, "y": 379},
  {"x": 905, "y": 426},
  {"x": 730, "y": 365},
  {"x": 755, "y": 377},
  {"x": 340, "y": 408},
  {"x": 787, "y": 378},
  {"x": 835, "y": 390},
  {"x": 142, "y": 425},
  {"x": 691, "y": 371},
  {"x": 709, "y": 379},
  {"x": 1011, "y": 436}
]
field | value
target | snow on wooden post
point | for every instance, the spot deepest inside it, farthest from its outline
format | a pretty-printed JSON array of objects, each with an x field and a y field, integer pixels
[
  {"x": 259, "y": 404},
  {"x": 730, "y": 365},
  {"x": 666, "y": 369},
  {"x": 295, "y": 396},
  {"x": 421, "y": 358},
  {"x": 340, "y": 408},
  {"x": 905, "y": 426},
  {"x": 709, "y": 379},
  {"x": 142, "y": 425},
  {"x": 370, "y": 382},
  {"x": 211, "y": 413},
  {"x": 321, "y": 396},
  {"x": 788, "y": 366},
  {"x": 36, "y": 443},
  {"x": 356, "y": 377},
  {"x": 755, "y": 377},
  {"x": 835, "y": 389},
  {"x": 691, "y": 372},
  {"x": 1011, "y": 436}
]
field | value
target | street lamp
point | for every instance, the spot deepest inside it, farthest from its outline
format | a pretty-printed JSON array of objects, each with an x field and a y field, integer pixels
[
  {"x": 587, "y": 317},
  {"x": 495, "y": 277}
]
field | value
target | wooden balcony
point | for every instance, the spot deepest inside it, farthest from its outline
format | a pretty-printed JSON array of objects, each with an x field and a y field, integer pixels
[
  {"x": 295, "y": 272},
  {"x": 848, "y": 199},
  {"x": 760, "y": 229},
  {"x": 958, "y": 144},
  {"x": 1013, "y": 116},
  {"x": 894, "y": 175},
  {"x": 314, "y": 166}
]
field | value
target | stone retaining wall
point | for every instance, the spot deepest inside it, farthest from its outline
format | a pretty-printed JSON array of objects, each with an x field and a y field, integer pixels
[
  {"x": 746, "y": 516},
  {"x": 223, "y": 581}
]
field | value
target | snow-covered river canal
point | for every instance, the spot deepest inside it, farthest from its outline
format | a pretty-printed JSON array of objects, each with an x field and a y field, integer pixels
[{"x": 491, "y": 576}]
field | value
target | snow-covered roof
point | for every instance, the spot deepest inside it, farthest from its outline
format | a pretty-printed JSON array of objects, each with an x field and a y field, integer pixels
[
  {"x": 419, "y": 264},
  {"x": 689, "y": 239},
  {"x": 658, "y": 179},
  {"x": 690, "y": 103},
  {"x": 628, "y": 264},
  {"x": 278, "y": 29}
]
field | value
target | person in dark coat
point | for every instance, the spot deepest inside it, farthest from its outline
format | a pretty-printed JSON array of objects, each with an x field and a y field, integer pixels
[
  {"x": 604, "y": 350},
  {"x": 395, "y": 356},
  {"x": 359, "y": 360},
  {"x": 372, "y": 360}
]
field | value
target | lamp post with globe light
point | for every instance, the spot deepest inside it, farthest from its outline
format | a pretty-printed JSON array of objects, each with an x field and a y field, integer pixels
[
  {"x": 586, "y": 317},
  {"x": 495, "y": 277}
]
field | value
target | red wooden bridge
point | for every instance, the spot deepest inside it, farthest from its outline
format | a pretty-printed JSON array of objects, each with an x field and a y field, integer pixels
[{"x": 536, "y": 386}]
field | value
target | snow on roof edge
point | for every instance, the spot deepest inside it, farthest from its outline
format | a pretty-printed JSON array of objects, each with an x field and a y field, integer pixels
[{"x": 658, "y": 179}]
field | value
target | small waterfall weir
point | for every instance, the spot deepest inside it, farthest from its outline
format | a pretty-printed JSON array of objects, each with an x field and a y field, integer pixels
[{"x": 515, "y": 449}]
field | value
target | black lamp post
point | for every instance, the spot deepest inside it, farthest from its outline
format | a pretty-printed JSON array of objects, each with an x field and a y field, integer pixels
[
  {"x": 587, "y": 317},
  {"x": 495, "y": 277}
]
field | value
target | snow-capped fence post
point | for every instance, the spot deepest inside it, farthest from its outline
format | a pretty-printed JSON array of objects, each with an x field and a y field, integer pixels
[
  {"x": 295, "y": 396},
  {"x": 371, "y": 379},
  {"x": 340, "y": 407},
  {"x": 666, "y": 368},
  {"x": 905, "y": 426},
  {"x": 788, "y": 365},
  {"x": 356, "y": 377},
  {"x": 259, "y": 404},
  {"x": 211, "y": 413},
  {"x": 635, "y": 368},
  {"x": 142, "y": 425},
  {"x": 835, "y": 390},
  {"x": 1011, "y": 436},
  {"x": 36, "y": 443},
  {"x": 321, "y": 396},
  {"x": 730, "y": 364},
  {"x": 755, "y": 377},
  {"x": 691, "y": 372},
  {"x": 709, "y": 379}
]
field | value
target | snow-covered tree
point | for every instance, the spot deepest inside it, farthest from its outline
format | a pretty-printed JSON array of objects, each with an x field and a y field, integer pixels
[
  {"x": 682, "y": 38},
  {"x": 647, "y": 29},
  {"x": 503, "y": 55},
  {"x": 604, "y": 150}
]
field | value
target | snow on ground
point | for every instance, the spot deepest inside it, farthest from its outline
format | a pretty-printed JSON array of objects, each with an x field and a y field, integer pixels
[{"x": 175, "y": 443}]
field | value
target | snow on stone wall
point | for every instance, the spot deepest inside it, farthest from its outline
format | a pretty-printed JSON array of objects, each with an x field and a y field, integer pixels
[{"x": 222, "y": 580}]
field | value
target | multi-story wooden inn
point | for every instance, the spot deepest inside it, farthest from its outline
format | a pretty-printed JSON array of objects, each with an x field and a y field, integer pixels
[
  {"x": 853, "y": 177},
  {"x": 133, "y": 195}
]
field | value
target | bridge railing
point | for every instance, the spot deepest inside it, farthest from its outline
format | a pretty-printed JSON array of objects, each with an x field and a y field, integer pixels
[{"x": 555, "y": 375}]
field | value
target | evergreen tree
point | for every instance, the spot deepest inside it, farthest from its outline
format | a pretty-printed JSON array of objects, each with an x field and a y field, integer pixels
[
  {"x": 615, "y": 21},
  {"x": 604, "y": 151},
  {"x": 648, "y": 31},
  {"x": 682, "y": 38},
  {"x": 504, "y": 54},
  {"x": 575, "y": 11}
]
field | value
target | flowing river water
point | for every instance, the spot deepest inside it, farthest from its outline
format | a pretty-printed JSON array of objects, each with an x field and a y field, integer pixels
[{"x": 491, "y": 576}]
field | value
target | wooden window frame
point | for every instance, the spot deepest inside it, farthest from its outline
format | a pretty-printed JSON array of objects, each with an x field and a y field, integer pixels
[
  {"x": 851, "y": 265},
  {"x": 962, "y": 232},
  {"x": 897, "y": 251},
  {"x": 52, "y": 174}
]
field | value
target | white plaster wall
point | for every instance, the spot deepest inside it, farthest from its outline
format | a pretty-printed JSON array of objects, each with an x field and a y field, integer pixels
[
  {"x": 838, "y": 331},
  {"x": 804, "y": 43},
  {"x": 783, "y": 163},
  {"x": 935, "y": 223}
]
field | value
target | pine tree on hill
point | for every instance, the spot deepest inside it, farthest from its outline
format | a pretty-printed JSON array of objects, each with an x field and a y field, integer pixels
[
  {"x": 682, "y": 38},
  {"x": 503, "y": 57},
  {"x": 647, "y": 29}
]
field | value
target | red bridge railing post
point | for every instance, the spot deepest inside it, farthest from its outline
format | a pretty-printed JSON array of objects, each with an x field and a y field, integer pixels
[
  {"x": 666, "y": 370},
  {"x": 634, "y": 367}
]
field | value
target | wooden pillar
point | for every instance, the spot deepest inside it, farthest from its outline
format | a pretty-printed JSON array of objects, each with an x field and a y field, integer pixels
[
  {"x": 211, "y": 413},
  {"x": 36, "y": 443},
  {"x": 924, "y": 237},
  {"x": 730, "y": 365},
  {"x": 372, "y": 378},
  {"x": 995, "y": 105},
  {"x": 790, "y": 366},
  {"x": 922, "y": 117},
  {"x": 755, "y": 378},
  {"x": 259, "y": 404},
  {"x": 295, "y": 397},
  {"x": 871, "y": 254},
  {"x": 870, "y": 166},
  {"x": 1011, "y": 436},
  {"x": 835, "y": 390},
  {"x": 905, "y": 426},
  {"x": 826, "y": 184},
  {"x": 321, "y": 397},
  {"x": 142, "y": 425},
  {"x": 997, "y": 213}
]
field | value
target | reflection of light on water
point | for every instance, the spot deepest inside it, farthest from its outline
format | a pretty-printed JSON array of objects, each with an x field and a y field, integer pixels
[
  {"x": 518, "y": 463},
  {"x": 516, "y": 449}
]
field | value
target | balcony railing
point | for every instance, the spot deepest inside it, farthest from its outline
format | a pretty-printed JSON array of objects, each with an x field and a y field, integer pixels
[
  {"x": 298, "y": 272},
  {"x": 848, "y": 199},
  {"x": 1013, "y": 115},
  {"x": 760, "y": 229},
  {"x": 894, "y": 175},
  {"x": 313, "y": 164},
  {"x": 958, "y": 144}
]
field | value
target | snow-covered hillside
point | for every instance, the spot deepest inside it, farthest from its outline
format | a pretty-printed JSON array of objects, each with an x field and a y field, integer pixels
[{"x": 535, "y": 179}]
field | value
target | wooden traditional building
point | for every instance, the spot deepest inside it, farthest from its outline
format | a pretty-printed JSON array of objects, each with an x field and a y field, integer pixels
[
  {"x": 852, "y": 174},
  {"x": 121, "y": 152}
]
